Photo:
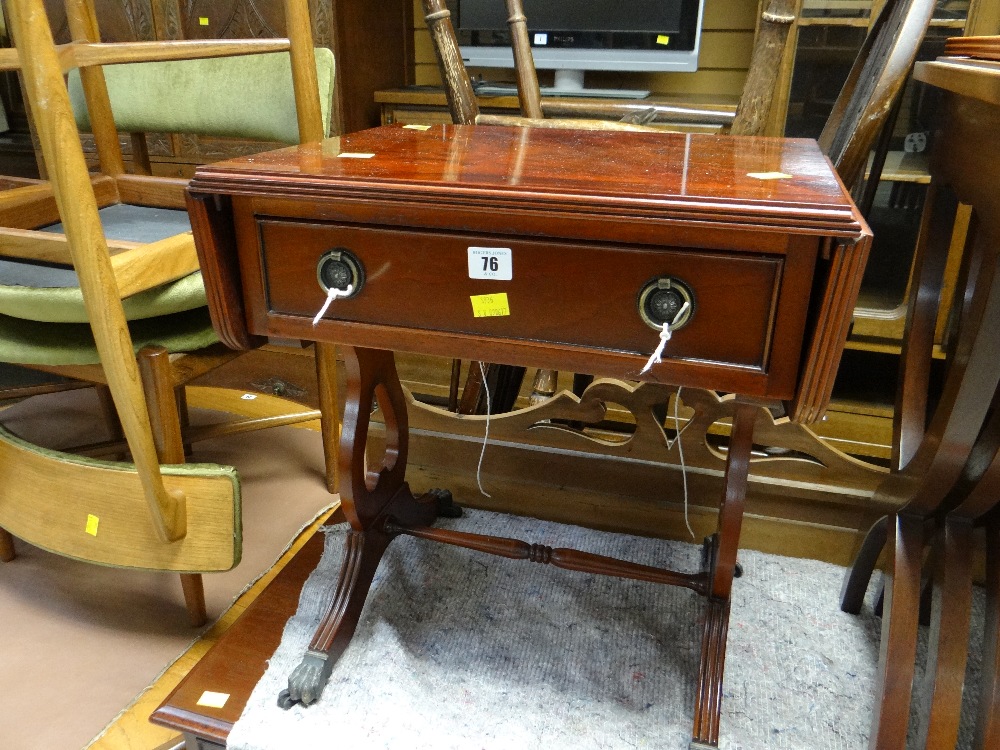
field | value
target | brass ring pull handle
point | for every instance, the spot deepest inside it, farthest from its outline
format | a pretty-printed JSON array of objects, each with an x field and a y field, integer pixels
[
  {"x": 660, "y": 301},
  {"x": 339, "y": 268}
]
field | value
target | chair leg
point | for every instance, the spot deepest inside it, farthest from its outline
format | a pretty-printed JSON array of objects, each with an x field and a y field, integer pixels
[
  {"x": 161, "y": 400},
  {"x": 110, "y": 415},
  {"x": 329, "y": 404},
  {"x": 194, "y": 598},
  {"x": 6, "y": 546},
  {"x": 184, "y": 416},
  {"x": 852, "y": 593},
  {"x": 454, "y": 384},
  {"x": 544, "y": 386}
]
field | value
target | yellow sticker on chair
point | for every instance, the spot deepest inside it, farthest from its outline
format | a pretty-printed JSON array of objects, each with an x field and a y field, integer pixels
[
  {"x": 202, "y": 21},
  {"x": 92, "y": 523},
  {"x": 662, "y": 39},
  {"x": 490, "y": 305}
]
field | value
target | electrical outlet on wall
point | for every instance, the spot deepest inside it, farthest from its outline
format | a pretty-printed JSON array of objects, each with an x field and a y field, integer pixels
[{"x": 915, "y": 143}]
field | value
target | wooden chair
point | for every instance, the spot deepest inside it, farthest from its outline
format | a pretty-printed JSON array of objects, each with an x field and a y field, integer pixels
[
  {"x": 749, "y": 118},
  {"x": 946, "y": 471},
  {"x": 858, "y": 117},
  {"x": 948, "y": 478},
  {"x": 114, "y": 298}
]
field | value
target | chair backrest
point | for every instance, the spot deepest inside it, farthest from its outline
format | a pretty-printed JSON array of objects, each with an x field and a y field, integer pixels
[
  {"x": 751, "y": 113},
  {"x": 861, "y": 111},
  {"x": 196, "y": 60},
  {"x": 247, "y": 97},
  {"x": 874, "y": 84}
]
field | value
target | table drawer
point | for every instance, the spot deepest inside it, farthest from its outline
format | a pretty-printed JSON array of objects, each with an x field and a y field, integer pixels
[{"x": 583, "y": 295}]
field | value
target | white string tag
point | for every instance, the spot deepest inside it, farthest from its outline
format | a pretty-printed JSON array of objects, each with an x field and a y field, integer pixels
[
  {"x": 657, "y": 356},
  {"x": 654, "y": 359},
  {"x": 486, "y": 436},
  {"x": 332, "y": 294},
  {"x": 680, "y": 452},
  {"x": 665, "y": 333}
]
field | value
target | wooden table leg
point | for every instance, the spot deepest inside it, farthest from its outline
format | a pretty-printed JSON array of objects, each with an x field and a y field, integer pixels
[
  {"x": 988, "y": 718},
  {"x": 948, "y": 641},
  {"x": 370, "y": 500},
  {"x": 859, "y": 575},
  {"x": 708, "y": 696},
  {"x": 898, "y": 647}
]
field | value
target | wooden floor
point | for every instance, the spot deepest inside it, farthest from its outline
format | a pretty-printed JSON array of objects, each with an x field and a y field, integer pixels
[{"x": 132, "y": 730}]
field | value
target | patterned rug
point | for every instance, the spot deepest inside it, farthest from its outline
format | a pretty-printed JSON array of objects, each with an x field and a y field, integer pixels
[{"x": 457, "y": 649}]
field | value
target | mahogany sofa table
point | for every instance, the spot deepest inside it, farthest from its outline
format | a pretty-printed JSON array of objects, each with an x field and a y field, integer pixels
[{"x": 559, "y": 249}]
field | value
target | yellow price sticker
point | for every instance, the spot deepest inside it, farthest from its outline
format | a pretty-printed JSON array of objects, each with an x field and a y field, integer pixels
[
  {"x": 202, "y": 21},
  {"x": 92, "y": 523},
  {"x": 490, "y": 305},
  {"x": 212, "y": 699},
  {"x": 662, "y": 39}
]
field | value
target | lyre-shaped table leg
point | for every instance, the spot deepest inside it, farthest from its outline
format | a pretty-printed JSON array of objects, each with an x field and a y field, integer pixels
[
  {"x": 948, "y": 640},
  {"x": 858, "y": 576},
  {"x": 708, "y": 696},
  {"x": 370, "y": 500},
  {"x": 898, "y": 648}
]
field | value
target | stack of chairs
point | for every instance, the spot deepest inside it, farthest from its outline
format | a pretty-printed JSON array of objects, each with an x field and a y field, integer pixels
[{"x": 99, "y": 282}]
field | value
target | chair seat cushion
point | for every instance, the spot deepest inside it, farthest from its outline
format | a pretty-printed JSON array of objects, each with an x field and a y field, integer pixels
[
  {"x": 33, "y": 343},
  {"x": 125, "y": 221},
  {"x": 51, "y": 294},
  {"x": 61, "y": 301}
]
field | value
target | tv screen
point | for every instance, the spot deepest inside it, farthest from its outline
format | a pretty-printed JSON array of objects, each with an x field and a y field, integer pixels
[
  {"x": 656, "y": 16},
  {"x": 572, "y": 36}
]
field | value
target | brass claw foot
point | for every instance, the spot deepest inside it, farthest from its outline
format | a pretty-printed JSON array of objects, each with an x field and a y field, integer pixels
[
  {"x": 307, "y": 680},
  {"x": 446, "y": 507}
]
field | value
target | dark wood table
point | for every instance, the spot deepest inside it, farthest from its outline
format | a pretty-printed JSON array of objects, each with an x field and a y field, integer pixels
[{"x": 558, "y": 249}]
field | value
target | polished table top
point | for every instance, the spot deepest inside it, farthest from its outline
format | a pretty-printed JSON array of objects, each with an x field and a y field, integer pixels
[{"x": 677, "y": 175}]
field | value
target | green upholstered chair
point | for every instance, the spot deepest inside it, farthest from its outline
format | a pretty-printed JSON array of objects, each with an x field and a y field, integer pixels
[{"x": 99, "y": 280}]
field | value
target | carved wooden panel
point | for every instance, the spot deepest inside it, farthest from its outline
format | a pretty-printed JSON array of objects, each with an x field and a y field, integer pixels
[
  {"x": 371, "y": 41},
  {"x": 120, "y": 20},
  {"x": 231, "y": 19}
]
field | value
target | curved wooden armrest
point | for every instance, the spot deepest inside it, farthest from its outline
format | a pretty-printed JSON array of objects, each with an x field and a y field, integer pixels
[
  {"x": 136, "y": 266},
  {"x": 155, "y": 264}
]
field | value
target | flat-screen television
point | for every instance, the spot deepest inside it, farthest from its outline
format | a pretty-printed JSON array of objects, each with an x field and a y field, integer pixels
[{"x": 573, "y": 36}]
